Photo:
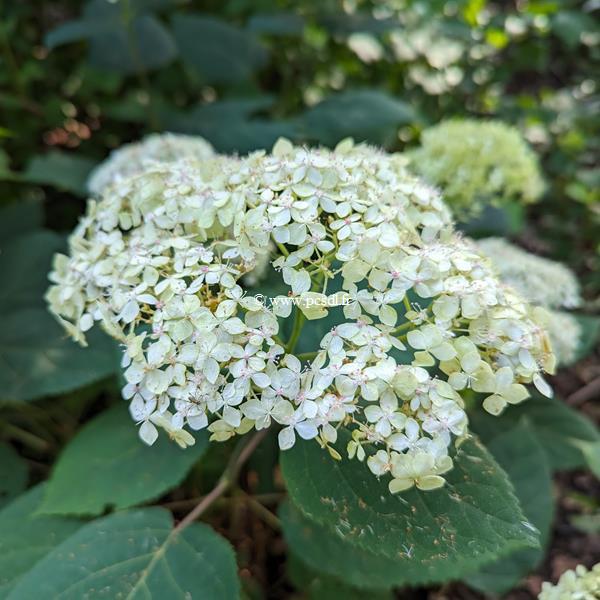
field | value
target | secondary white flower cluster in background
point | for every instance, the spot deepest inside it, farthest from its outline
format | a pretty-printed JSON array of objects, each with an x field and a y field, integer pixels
[
  {"x": 577, "y": 584},
  {"x": 132, "y": 159},
  {"x": 542, "y": 282},
  {"x": 159, "y": 261},
  {"x": 477, "y": 162}
]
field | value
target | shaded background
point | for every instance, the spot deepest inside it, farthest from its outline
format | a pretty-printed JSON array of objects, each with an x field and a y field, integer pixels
[{"x": 80, "y": 79}]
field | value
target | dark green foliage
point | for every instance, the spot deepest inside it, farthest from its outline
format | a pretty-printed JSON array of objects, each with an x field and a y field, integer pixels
[{"x": 430, "y": 536}]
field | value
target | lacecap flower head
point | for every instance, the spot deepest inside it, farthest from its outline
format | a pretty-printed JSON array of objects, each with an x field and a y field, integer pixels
[
  {"x": 160, "y": 259},
  {"x": 132, "y": 159},
  {"x": 477, "y": 162}
]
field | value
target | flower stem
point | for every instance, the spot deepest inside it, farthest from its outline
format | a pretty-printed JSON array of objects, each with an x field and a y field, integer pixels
[
  {"x": 296, "y": 330},
  {"x": 240, "y": 455},
  {"x": 25, "y": 437},
  {"x": 261, "y": 511},
  {"x": 403, "y": 327},
  {"x": 283, "y": 249}
]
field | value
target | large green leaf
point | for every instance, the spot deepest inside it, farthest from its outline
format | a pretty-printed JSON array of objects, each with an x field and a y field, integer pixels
[
  {"x": 59, "y": 169},
  {"x": 432, "y": 535},
  {"x": 318, "y": 586},
  {"x": 277, "y": 23},
  {"x": 590, "y": 336},
  {"x": 331, "y": 555},
  {"x": 24, "y": 265},
  {"x": 37, "y": 359},
  {"x": 146, "y": 44},
  {"x": 218, "y": 51},
  {"x": 507, "y": 219},
  {"x": 122, "y": 37},
  {"x": 107, "y": 465},
  {"x": 26, "y": 537},
  {"x": 230, "y": 125},
  {"x": 341, "y": 23},
  {"x": 20, "y": 217},
  {"x": 563, "y": 433},
  {"x": 520, "y": 454},
  {"x": 136, "y": 555},
  {"x": 13, "y": 474},
  {"x": 366, "y": 115}
]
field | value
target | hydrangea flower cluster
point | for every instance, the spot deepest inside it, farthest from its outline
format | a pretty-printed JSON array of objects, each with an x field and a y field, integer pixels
[
  {"x": 475, "y": 162},
  {"x": 542, "y": 282},
  {"x": 577, "y": 584},
  {"x": 132, "y": 159},
  {"x": 434, "y": 58},
  {"x": 159, "y": 261}
]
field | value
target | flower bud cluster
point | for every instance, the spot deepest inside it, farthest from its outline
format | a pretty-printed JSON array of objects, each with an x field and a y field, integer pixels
[
  {"x": 476, "y": 162},
  {"x": 132, "y": 159},
  {"x": 160, "y": 259},
  {"x": 544, "y": 283}
]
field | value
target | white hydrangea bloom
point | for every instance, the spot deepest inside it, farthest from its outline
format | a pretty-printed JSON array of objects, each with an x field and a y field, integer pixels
[
  {"x": 433, "y": 57},
  {"x": 542, "y": 282},
  {"x": 539, "y": 280},
  {"x": 158, "y": 261},
  {"x": 577, "y": 584},
  {"x": 565, "y": 336},
  {"x": 477, "y": 162},
  {"x": 133, "y": 159}
]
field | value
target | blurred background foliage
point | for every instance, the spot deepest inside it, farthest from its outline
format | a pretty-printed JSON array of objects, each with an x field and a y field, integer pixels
[{"x": 80, "y": 79}]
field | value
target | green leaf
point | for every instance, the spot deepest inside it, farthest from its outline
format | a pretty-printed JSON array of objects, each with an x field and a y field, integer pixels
[
  {"x": 569, "y": 25},
  {"x": 145, "y": 46},
  {"x": 504, "y": 220},
  {"x": 330, "y": 555},
  {"x": 230, "y": 126},
  {"x": 276, "y": 24},
  {"x": 24, "y": 265},
  {"x": 325, "y": 588},
  {"x": 124, "y": 41},
  {"x": 590, "y": 335},
  {"x": 77, "y": 30},
  {"x": 5, "y": 171},
  {"x": 318, "y": 586},
  {"x": 20, "y": 217},
  {"x": 520, "y": 454},
  {"x": 107, "y": 465},
  {"x": 13, "y": 474},
  {"x": 589, "y": 524},
  {"x": 558, "y": 428},
  {"x": 25, "y": 537},
  {"x": 218, "y": 51},
  {"x": 136, "y": 555},
  {"x": 432, "y": 536},
  {"x": 37, "y": 359},
  {"x": 360, "y": 22},
  {"x": 591, "y": 453},
  {"x": 366, "y": 115},
  {"x": 59, "y": 169}
]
